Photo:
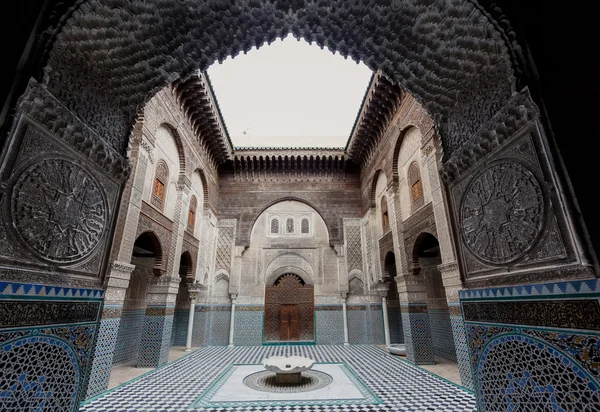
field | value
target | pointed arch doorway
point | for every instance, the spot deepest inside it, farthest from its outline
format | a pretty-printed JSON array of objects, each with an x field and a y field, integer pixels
[{"x": 289, "y": 310}]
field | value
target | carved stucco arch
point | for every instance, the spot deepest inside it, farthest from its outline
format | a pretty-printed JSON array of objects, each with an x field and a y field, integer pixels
[
  {"x": 180, "y": 146},
  {"x": 415, "y": 264},
  {"x": 159, "y": 267},
  {"x": 397, "y": 147},
  {"x": 356, "y": 274},
  {"x": 301, "y": 267},
  {"x": 373, "y": 195},
  {"x": 206, "y": 201},
  {"x": 189, "y": 252},
  {"x": 432, "y": 48},
  {"x": 221, "y": 275},
  {"x": 245, "y": 234}
]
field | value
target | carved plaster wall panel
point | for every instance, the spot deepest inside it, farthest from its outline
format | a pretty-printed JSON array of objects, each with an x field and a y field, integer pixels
[
  {"x": 58, "y": 202},
  {"x": 509, "y": 214},
  {"x": 302, "y": 262}
]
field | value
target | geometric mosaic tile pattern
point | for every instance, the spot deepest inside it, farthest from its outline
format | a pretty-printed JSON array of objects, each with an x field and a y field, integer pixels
[
  {"x": 462, "y": 351},
  {"x": 546, "y": 380},
  {"x": 395, "y": 321},
  {"x": 156, "y": 341},
  {"x": 28, "y": 289},
  {"x": 38, "y": 373},
  {"x": 376, "y": 325},
  {"x": 180, "y": 326},
  {"x": 535, "y": 347},
  {"x": 47, "y": 336},
  {"x": 358, "y": 328},
  {"x": 175, "y": 387},
  {"x": 131, "y": 326},
  {"x": 248, "y": 328},
  {"x": 218, "y": 330},
  {"x": 329, "y": 326},
  {"x": 441, "y": 333},
  {"x": 103, "y": 356},
  {"x": 543, "y": 289},
  {"x": 417, "y": 337},
  {"x": 365, "y": 326}
]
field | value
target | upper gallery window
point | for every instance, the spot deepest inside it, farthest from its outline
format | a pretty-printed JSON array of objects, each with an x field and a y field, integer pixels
[
  {"x": 275, "y": 226},
  {"x": 416, "y": 186},
  {"x": 159, "y": 188},
  {"x": 192, "y": 215},
  {"x": 385, "y": 218},
  {"x": 305, "y": 226},
  {"x": 289, "y": 225}
]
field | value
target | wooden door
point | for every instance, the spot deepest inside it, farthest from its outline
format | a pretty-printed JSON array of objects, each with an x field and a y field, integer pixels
[
  {"x": 289, "y": 327},
  {"x": 294, "y": 322}
]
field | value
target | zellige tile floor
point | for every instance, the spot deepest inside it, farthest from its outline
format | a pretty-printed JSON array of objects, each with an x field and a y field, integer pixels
[{"x": 175, "y": 387}]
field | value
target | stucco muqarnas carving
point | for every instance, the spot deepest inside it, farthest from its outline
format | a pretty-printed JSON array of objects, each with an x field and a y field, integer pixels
[{"x": 502, "y": 213}]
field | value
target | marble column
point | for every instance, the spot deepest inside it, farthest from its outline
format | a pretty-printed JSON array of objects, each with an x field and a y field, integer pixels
[
  {"x": 345, "y": 315},
  {"x": 108, "y": 329},
  {"x": 383, "y": 288},
  {"x": 193, "y": 289},
  {"x": 158, "y": 322},
  {"x": 232, "y": 321},
  {"x": 386, "y": 323}
]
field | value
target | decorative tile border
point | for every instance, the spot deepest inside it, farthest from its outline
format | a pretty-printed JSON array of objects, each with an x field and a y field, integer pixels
[
  {"x": 204, "y": 400},
  {"x": 582, "y": 287},
  {"x": 13, "y": 289}
]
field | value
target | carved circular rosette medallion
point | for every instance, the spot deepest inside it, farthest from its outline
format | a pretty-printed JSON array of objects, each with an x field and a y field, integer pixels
[
  {"x": 58, "y": 210},
  {"x": 502, "y": 213}
]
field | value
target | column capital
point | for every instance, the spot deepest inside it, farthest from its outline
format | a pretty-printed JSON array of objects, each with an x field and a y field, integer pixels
[
  {"x": 121, "y": 267},
  {"x": 382, "y": 288},
  {"x": 448, "y": 267}
]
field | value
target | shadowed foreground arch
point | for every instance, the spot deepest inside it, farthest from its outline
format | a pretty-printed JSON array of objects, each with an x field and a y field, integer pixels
[{"x": 402, "y": 38}]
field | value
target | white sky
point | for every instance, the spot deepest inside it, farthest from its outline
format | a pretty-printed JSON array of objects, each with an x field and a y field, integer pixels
[{"x": 289, "y": 94}]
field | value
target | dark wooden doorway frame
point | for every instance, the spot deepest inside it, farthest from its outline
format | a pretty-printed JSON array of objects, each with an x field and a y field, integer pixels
[{"x": 287, "y": 291}]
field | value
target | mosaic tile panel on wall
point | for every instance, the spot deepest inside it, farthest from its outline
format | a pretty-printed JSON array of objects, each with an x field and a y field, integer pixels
[
  {"x": 417, "y": 337},
  {"x": 395, "y": 322},
  {"x": 180, "y": 326},
  {"x": 441, "y": 333},
  {"x": 47, "y": 335},
  {"x": 460, "y": 343},
  {"x": 108, "y": 331},
  {"x": 329, "y": 324},
  {"x": 551, "y": 333},
  {"x": 156, "y": 337},
  {"x": 365, "y": 324},
  {"x": 211, "y": 325},
  {"x": 248, "y": 328},
  {"x": 131, "y": 326}
]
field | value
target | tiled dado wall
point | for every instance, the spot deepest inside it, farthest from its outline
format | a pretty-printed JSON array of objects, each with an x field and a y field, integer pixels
[
  {"x": 535, "y": 347},
  {"x": 329, "y": 325},
  {"x": 127, "y": 348},
  {"x": 365, "y": 324},
  {"x": 441, "y": 333},
  {"x": 180, "y": 324},
  {"x": 47, "y": 336},
  {"x": 211, "y": 325},
  {"x": 395, "y": 321}
]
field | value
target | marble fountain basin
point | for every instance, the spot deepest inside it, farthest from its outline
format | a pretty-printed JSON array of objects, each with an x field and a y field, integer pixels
[
  {"x": 288, "y": 369},
  {"x": 397, "y": 349}
]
